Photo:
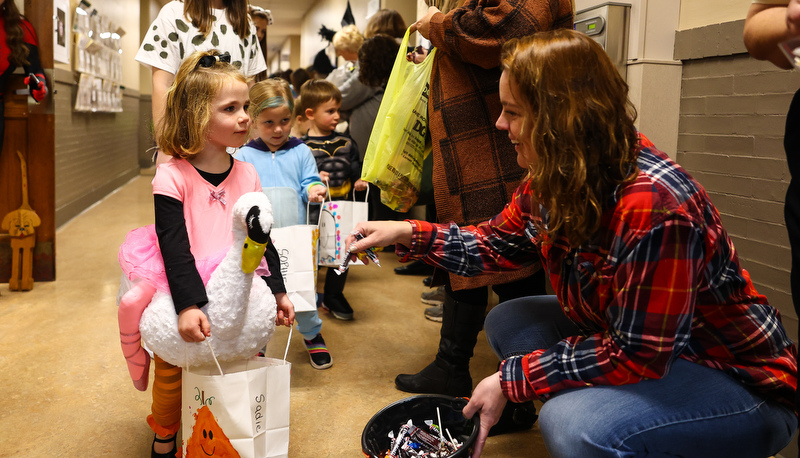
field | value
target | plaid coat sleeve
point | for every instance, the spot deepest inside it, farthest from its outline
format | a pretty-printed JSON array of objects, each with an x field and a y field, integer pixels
[
  {"x": 476, "y": 31},
  {"x": 503, "y": 244}
]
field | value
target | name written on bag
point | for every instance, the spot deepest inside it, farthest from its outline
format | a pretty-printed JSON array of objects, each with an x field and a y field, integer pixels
[
  {"x": 258, "y": 414},
  {"x": 283, "y": 254}
]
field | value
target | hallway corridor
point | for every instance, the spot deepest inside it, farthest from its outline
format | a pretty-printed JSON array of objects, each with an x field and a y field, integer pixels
[{"x": 66, "y": 387}]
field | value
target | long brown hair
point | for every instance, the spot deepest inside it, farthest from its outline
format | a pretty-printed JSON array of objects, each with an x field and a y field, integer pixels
[
  {"x": 184, "y": 129},
  {"x": 376, "y": 59},
  {"x": 200, "y": 13},
  {"x": 12, "y": 20},
  {"x": 578, "y": 124},
  {"x": 388, "y": 22}
]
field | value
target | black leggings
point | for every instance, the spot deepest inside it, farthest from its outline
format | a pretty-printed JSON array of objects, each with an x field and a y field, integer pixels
[
  {"x": 529, "y": 286},
  {"x": 791, "y": 209}
]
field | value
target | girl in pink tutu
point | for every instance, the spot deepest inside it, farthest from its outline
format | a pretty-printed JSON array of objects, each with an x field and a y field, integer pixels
[{"x": 194, "y": 192}]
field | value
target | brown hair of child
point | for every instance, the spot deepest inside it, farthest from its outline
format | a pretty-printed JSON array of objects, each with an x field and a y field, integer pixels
[{"x": 314, "y": 93}]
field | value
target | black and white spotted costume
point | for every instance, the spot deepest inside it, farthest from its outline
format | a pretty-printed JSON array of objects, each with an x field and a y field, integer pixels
[{"x": 172, "y": 37}]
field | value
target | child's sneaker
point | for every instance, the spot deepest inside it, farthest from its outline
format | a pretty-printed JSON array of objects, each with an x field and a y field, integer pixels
[
  {"x": 433, "y": 297},
  {"x": 318, "y": 353},
  {"x": 338, "y": 306},
  {"x": 435, "y": 313}
]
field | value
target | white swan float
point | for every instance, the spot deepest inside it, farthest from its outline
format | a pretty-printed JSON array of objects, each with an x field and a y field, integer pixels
[{"x": 241, "y": 309}]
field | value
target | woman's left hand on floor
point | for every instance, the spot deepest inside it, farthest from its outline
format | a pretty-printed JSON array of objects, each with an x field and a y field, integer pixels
[{"x": 488, "y": 402}]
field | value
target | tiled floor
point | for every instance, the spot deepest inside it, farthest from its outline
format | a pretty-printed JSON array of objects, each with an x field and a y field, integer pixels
[{"x": 66, "y": 391}]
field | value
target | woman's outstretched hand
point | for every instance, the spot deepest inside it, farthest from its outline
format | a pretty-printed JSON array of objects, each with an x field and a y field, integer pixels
[
  {"x": 488, "y": 402},
  {"x": 378, "y": 234}
]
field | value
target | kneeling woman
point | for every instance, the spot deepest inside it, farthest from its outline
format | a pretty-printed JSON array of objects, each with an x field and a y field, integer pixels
[{"x": 657, "y": 343}]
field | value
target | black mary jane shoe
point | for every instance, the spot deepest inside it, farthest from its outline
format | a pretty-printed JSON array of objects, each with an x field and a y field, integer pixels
[{"x": 171, "y": 453}]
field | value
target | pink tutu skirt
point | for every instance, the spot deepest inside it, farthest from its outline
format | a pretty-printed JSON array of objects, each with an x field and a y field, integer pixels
[{"x": 140, "y": 259}]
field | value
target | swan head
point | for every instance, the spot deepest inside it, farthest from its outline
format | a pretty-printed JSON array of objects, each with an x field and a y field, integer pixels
[{"x": 254, "y": 211}]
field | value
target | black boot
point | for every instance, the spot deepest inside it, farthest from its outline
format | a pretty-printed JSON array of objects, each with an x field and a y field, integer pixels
[
  {"x": 515, "y": 417},
  {"x": 414, "y": 268},
  {"x": 437, "y": 378},
  {"x": 449, "y": 372}
]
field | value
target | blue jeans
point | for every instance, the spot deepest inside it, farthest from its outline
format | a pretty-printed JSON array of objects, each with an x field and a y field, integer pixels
[
  {"x": 309, "y": 324},
  {"x": 692, "y": 411}
]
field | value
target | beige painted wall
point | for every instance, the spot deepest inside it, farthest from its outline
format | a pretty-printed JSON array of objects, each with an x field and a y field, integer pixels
[
  {"x": 288, "y": 58},
  {"x": 699, "y": 13},
  {"x": 406, "y": 9}
]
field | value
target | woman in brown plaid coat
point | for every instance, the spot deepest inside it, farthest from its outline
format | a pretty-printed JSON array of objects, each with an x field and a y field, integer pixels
[{"x": 474, "y": 165}]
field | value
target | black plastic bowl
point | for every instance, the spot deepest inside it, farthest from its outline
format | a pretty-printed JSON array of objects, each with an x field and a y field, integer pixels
[{"x": 375, "y": 441}]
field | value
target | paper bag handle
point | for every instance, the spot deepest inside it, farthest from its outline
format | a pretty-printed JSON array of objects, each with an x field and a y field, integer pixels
[
  {"x": 328, "y": 192},
  {"x": 288, "y": 341},
  {"x": 214, "y": 356},
  {"x": 216, "y": 361}
]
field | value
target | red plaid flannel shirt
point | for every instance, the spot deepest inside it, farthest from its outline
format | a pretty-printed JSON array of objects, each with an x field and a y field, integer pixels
[{"x": 662, "y": 282}]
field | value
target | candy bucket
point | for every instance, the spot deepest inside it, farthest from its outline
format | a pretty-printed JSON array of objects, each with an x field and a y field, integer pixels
[{"x": 375, "y": 440}]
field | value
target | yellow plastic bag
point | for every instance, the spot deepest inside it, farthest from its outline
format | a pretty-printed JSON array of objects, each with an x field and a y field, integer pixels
[{"x": 397, "y": 145}]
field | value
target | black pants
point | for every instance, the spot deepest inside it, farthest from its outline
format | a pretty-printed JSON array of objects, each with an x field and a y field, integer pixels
[
  {"x": 529, "y": 286},
  {"x": 791, "y": 143},
  {"x": 334, "y": 283},
  {"x": 463, "y": 313}
]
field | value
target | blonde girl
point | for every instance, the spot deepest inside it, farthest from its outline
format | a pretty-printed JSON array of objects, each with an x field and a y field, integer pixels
[{"x": 194, "y": 192}]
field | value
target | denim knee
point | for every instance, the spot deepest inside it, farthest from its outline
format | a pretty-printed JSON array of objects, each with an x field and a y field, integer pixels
[
  {"x": 691, "y": 411},
  {"x": 522, "y": 325}
]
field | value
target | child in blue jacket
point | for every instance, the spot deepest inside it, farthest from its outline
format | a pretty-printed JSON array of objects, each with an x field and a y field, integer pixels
[{"x": 289, "y": 176}]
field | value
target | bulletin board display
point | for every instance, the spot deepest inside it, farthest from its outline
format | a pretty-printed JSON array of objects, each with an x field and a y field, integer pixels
[{"x": 97, "y": 58}]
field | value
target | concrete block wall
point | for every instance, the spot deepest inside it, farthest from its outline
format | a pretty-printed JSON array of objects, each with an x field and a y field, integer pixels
[
  {"x": 732, "y": 119},
  {"x": 95, "y": 152}
]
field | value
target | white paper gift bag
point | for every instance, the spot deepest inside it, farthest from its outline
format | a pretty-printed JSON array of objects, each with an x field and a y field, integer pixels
[
  {"x": 336, "y": 221},
  {"x": 297, "y": 249},
  {"x": 243, "y": 412}
]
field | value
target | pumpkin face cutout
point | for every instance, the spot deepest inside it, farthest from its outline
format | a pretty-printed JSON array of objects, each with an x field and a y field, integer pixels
[{"x": 208, "y": 439}]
